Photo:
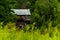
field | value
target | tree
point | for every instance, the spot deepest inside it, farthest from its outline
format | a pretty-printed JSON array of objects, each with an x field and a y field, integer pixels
[
  {"x": 44, "y": 12},
  {"x": 5, "y": 12}
]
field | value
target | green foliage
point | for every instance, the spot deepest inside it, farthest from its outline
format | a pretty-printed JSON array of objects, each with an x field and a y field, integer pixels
[
  {"x": 45, "y": 15},
  {"x": 44, "y": 12},
  {"x": 5, "y": 12},
  {"x": 13, "y": 34}
]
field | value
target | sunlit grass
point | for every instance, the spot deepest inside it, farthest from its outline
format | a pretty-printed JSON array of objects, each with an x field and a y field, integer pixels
[{"x": 13, "y": 34}]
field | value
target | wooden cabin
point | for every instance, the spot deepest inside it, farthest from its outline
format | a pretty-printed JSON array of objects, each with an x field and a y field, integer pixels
[{"x": 23, "y": 17}]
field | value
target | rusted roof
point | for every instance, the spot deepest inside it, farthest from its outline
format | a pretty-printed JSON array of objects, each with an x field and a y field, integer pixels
[{"x": 21, "y": 11}]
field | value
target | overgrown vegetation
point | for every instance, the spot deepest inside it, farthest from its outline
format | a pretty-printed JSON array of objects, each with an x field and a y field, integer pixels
[
  {"x": 14, "y": 34},
  {"x": 45, "y": 20},
  {"x": 42, "y": 12}
]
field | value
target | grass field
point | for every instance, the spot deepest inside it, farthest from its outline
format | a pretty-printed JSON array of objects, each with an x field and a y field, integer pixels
[{"x": 13, "y": 34}]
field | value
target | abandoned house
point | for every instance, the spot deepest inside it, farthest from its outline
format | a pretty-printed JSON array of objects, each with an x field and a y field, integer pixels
[{"x": 23, "y": 17}]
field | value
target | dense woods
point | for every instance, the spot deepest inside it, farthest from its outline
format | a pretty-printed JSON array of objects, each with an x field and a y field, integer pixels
[{"x": 42, "y": 12}]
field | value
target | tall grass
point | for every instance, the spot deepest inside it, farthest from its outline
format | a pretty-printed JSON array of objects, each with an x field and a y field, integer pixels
[{"x": 13, "y": 34}]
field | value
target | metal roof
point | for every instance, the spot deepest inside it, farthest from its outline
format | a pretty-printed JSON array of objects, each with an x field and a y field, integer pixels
[{"x": 21, "y": 11}]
